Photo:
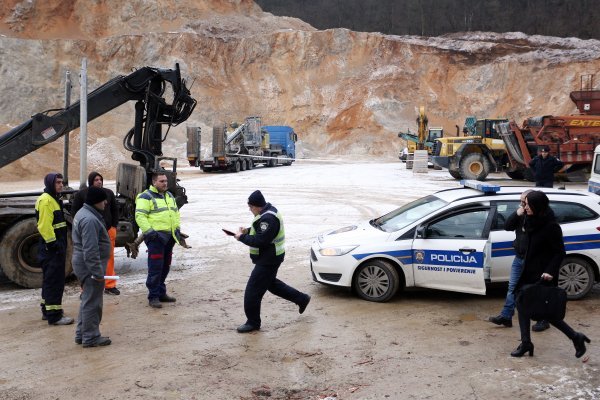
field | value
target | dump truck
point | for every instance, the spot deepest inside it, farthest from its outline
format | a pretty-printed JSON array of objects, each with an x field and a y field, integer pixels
[
  {"x": 571, "y": 138},
  {"x": 243, "y": 148},
  {"x": 19, "y": 238},
  {"x": 475, "y": 155}
]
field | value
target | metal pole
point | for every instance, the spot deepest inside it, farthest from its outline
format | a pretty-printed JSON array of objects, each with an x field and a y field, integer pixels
[
  {"x": 66, "y": 145},
  {"x": 83, "y": 125}
]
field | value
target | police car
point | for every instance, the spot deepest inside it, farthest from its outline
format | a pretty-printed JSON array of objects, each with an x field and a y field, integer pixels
[{"x": 454, "y": 240}]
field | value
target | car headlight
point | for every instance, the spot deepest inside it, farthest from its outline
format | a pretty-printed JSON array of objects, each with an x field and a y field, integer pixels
[{"x": 337, "y": 251}]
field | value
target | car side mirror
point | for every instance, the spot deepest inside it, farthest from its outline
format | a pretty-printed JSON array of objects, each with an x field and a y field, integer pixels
[{"x": 421, "y": 232}]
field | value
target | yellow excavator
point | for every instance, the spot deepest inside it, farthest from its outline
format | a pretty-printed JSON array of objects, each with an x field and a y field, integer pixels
[{"x": 423, "y": 140}]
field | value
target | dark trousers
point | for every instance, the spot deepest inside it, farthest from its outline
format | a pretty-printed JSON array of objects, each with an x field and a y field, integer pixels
[
  {"x": 159, "y": 265},
  {"x": 263, "y": 278},
  {"x": 53, "y": 283},
  {"x": 525, "y": 322},
  {"x": 90, "y": 311}
]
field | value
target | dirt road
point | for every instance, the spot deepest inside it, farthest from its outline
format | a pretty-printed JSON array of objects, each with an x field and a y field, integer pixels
[{"x": 422, "y": 344}]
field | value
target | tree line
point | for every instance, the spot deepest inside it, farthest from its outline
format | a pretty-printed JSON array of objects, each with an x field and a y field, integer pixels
[{"x": 562, "y": 18}]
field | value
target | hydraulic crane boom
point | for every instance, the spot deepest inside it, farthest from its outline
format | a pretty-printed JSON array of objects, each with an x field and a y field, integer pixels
[{"x": 146, "y": 85}]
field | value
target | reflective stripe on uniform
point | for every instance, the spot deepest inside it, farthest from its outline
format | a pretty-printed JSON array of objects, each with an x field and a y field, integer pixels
[{"x": 278, "y": 241}]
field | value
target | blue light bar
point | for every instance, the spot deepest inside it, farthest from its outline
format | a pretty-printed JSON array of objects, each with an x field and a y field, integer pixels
[{"x": 482, "y": 187}]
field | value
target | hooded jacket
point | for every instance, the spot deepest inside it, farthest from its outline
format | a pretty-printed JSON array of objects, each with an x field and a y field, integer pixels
[
  {"x": 49, "y": 214},
  {"x": 110, "y": 215}
]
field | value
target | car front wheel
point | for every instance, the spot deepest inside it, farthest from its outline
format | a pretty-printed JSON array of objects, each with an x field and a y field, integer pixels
[
  {"x": 576, "y": 276},
  {"x": 376, "y": 280}
]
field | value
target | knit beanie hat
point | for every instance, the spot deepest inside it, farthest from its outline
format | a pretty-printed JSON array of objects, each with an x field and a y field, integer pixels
[
  {"x": 257, "y": 199},
  {"x": 95, "y": 195}
]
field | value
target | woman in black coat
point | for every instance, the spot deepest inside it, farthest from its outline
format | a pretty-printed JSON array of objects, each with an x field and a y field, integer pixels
[{"x": 545, "y": 252}]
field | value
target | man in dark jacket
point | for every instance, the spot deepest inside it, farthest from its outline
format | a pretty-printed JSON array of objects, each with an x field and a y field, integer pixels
[
  {"x": 52, "y": 227},
  {"x": 544, "y": 166},
  {"x": 266, "y": 239},
  {"x": 110, "y": 215},
  {"x": 91, "y": 249}
]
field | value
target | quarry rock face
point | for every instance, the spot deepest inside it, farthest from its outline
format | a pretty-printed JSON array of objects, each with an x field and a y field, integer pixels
[{"x": 345, "y": 93}]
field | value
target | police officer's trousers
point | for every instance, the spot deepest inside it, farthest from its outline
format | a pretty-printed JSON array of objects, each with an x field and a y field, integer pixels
[{"x": 263, "y": 278}]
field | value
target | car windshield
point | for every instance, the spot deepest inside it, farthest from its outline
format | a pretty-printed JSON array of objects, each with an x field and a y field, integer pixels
[{"x": 408, "y": 213}]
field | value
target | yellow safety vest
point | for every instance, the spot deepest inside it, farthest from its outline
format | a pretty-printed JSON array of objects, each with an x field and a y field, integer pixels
[
  {"x": 278, "y": 241},
  {"x": 155, "y": 211},
  {"x": 50, "y": 217}
]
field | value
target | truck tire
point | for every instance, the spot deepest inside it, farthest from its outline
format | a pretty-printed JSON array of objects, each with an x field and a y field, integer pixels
[
  {"x": 475, "y": 166},
  {"x": 19, "y": 256},
  {"x": 236, "y": 166},
  {"x": 454, "y": 173},
  {"x": 250, "y": 164},
  {"x": 272, "y": 162},
  {"x": 243, "y": 165}
]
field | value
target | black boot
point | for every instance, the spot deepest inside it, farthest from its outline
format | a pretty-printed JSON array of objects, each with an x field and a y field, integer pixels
[
  {"x": 579, "y": 342},
  {"x": 523, "y": 348}
]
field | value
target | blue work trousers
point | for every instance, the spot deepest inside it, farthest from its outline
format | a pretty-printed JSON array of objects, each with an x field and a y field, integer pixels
[
  {"x": 159, "y": 265},
  {"x": 263, "y": 278},
  {"x": 515, "y": 273}
]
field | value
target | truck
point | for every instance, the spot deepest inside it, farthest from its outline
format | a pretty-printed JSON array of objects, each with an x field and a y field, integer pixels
[
  {"x": 475, "y": 155},
  {"x": 412, "y": 140},
  {"x": 243, "y": 148},
  {"x": 571, "y": 138},
  {"x": 19, "y": 238}
]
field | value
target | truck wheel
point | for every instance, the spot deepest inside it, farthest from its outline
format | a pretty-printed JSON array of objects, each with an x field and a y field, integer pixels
[
  {"x": 272, "y": 162},
  {"x": 288, "y": 163},
  {"x": 518, "y": 174},
  {"x": 475, "y": 166},
  {"x": 236, "y": 166},
  {"x": 19, "y": 256},
  {"x": 250, "y": 164},
  {"x": 243, "y": 165},
  {"x": 454, "y": 173}
]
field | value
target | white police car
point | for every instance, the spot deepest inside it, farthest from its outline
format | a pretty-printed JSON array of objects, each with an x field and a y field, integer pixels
[{"x": 454, "y": 240}]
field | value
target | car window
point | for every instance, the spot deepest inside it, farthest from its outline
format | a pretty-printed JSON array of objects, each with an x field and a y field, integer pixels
[
  {"x": 408, "y": 213},
  {"x": 469, "y": 224},
  {"x": 571, "y": 212},
  {"x": 504, "y": 209}
]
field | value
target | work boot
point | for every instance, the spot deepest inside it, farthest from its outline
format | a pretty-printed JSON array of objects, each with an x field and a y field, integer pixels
[
  {"x": 62, "y": 321},
  {"x": 501, "y": 320},
  {"x": 101, "y": 341},
  {"x": 247, "y": 328},
  {"x": 302, "y": 307},
  {"x": 540, "y": 326},
  {"x": 78, "y": 340},
  {"x": 165, "y": 298},
  {"x": 113, "y": 291},
  {"x": 154, "y": 303}
]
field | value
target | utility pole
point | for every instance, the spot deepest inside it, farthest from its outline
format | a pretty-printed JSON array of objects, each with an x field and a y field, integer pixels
[
  {"x": 68, "y": 88},
  {"x": 83, "y": 115}
]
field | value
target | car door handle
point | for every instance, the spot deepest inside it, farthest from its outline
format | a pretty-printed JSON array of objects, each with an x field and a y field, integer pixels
[{"x": 467, "y": 250}]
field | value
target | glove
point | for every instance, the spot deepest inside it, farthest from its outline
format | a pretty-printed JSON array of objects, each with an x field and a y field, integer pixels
[
  {"x": 51, "y": 246},
  {"x": 177, "y": 234}
]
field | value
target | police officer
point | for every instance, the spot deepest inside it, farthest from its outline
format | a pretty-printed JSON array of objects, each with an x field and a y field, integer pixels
[
  {"x": 157, "y": 215},
  {"x": 52, "y": 227},
  {"x": 266, "y": 239},
  {"x": 544, "y": 166}
]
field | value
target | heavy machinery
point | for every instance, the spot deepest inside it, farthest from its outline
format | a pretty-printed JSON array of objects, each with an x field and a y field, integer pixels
[
  {"x": 19, "y": 238},
  {"x": 246, "y": 146},
  {"x": 423, "y": 140},
  {"x": 572, "y": 138},
  {"x": 474, "y": 155}
]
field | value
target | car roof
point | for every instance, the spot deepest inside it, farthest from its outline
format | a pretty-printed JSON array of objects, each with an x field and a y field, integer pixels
[{"x": 465, "y": 193}]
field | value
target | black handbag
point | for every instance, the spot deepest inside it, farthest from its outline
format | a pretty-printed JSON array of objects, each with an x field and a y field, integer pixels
[{"x": 542, "y": 302}]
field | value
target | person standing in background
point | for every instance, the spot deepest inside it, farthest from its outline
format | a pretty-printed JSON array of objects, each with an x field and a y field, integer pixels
[
  {"x": 544, "y": 166},
  {"x": 110, "y": 215},
  {"x": 91, "y": 249},
  {"x": 52, "y": 254}
]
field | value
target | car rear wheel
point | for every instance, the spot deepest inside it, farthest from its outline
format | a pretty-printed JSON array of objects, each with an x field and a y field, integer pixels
[
  {"x": 376, "y": 280},
  {"x": 576, "y": 276}
]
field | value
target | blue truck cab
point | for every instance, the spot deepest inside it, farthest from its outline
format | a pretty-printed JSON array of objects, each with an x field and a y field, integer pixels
[{"x": 284, "y": 136}]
